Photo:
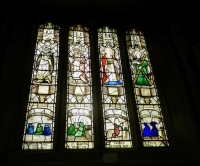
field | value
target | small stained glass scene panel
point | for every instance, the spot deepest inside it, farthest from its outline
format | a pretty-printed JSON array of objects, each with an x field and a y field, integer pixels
[
  {"x": 40, "y": 116},
  {"x": 115, "y": 113},
  {"x": 79, "y": 110},
  {"x": 147, "y": 100}
]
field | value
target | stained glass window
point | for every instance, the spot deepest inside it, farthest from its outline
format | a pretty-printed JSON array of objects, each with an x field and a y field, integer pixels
[
  {"x": 79, "y": 132},
  {"x": 146, "y": 95},
  {"x": 79, "y": 110},
  {"x": 40, "y": 116},
  {"x": 115, "y": 112}
]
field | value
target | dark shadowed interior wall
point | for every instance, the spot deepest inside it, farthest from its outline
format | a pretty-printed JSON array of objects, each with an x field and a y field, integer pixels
[{"x": 172, "y": 36}]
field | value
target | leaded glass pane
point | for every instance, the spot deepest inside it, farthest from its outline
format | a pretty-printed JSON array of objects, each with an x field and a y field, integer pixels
[
  {"x": 147, "y": 101},
  {"x": 115, "y": 113},
  {"x": 40, "y": 116},
  {"x": 79, "y": 110}
]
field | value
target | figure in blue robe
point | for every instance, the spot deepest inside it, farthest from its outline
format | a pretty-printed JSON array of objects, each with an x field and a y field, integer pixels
[
  {"x": 154, "y": 130},
  {"x": 47, "y": 130},
  {"x": 30, "y": 129},
  {"x": 146, "y": 131}
]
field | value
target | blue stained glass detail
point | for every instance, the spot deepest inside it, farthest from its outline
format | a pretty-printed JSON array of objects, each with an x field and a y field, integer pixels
[
  {"x": 113, "y": 83},
  {"x": 146, "y": 131},
  {"x": 30, "y": 129},
  {"x": 154, "y": 130},
  {"x": 47, "y": 130}
]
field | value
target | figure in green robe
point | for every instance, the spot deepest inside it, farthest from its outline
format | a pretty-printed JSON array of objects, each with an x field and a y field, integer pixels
[
  {"x": 140, "y": 66},
  {"x": 39, "y": 129},
  {"x": 81, "y": 130},
  {"x": 71, "y": 130}
]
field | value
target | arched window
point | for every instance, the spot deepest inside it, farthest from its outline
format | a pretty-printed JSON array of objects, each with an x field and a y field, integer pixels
[{"x": 79, "y": 124}]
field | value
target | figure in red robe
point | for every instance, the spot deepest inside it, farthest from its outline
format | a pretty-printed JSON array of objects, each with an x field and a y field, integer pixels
[{"x": 110, "y": 68}]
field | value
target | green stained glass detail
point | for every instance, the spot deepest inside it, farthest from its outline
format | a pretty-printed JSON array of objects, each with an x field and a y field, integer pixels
[
  {"x": 39, "y": 125},
  {"x": 39, "y": 129},
  {"x": 71, "y": 130},
  {"x": 81, "y": 130},
  {"x": 147, "y": 100}
]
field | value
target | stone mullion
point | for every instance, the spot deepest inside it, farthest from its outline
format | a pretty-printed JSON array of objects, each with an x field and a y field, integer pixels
[
  {"x": 129, "y": 89},
  {"x": 99, "y": 141},
  {"x": 60, "y": 114}
]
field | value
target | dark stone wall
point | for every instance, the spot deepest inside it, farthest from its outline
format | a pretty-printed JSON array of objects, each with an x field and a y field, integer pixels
[{"x": 170, "y": 36}]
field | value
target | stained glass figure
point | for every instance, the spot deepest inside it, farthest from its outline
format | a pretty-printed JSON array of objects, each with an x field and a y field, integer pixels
[
  {"x": 39, "y": 125},
  {"x": 116, "y": 121},
  {"x": 79, "y": 113},
  {"x": 147, "y": 100},
  {"x": 47, "y": 130},
  {"x": 30, "y": 129},
  {"x": 146, "y": 130}
]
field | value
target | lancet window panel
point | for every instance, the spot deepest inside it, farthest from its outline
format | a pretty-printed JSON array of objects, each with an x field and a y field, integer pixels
[
  {"x": 40, "y": 116},
  {"x": 79, "y": 109},
  {"x": 147, "y": 100},
  {"x": 115, "y": 112}
]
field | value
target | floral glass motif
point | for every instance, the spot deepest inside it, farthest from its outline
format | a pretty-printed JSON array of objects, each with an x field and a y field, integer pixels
[
  {"x": 116, "y": 121},
  {"x": 147, "y": 100},
  {"x": 40, "y": 116},
  {"x": 79, "y": 110}
]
